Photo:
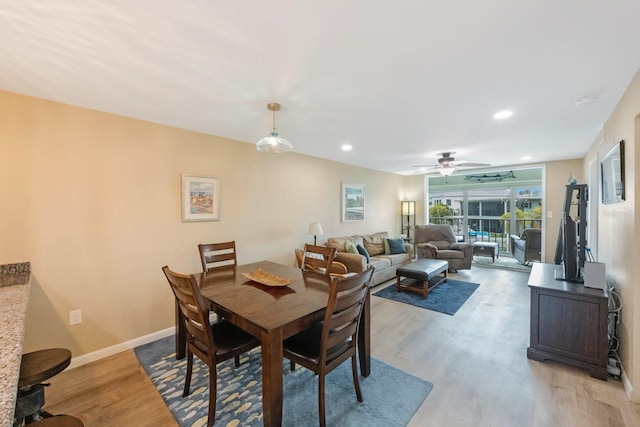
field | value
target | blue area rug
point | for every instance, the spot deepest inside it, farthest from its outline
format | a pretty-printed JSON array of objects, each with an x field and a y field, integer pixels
[
  {"x": 446, "y": 298},
  {"x": 391, "y": 396}
]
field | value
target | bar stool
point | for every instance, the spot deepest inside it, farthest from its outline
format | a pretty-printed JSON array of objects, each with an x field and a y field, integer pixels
[
  {"x": 36, "y": 367},
  {"x": 58, "y": 421}
]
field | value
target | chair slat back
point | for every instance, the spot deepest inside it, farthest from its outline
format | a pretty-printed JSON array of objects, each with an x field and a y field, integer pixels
[
  {"x": 217, "y": 255},
  {"x": 342, "y": 316},
  {"x": 195, "y": 312},
  {"x": 318, "y": 258}
]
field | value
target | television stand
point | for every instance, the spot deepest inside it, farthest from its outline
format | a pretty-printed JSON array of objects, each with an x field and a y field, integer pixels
[{"x": 568, "y": 322}]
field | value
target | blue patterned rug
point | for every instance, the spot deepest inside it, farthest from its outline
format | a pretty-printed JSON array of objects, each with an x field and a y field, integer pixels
[
  {"x": 391, "y": 396},
  {"x": 446, "y": 298}
]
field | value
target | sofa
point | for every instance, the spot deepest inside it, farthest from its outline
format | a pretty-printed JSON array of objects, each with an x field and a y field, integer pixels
[
  {"x": 440, "y": 242},
  {"x": 528, "y": 246},
  {"x": 383, "y": 256}
]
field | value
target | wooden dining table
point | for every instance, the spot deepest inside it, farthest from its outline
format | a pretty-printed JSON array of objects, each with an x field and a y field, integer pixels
[{"x": 272, "y": 314}]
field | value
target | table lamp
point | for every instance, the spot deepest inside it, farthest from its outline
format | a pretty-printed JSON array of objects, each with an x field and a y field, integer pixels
[{"x": 315, "y": 229}]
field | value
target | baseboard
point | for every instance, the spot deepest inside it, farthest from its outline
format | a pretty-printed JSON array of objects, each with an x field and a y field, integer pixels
[{"x": 127, "y": 345}]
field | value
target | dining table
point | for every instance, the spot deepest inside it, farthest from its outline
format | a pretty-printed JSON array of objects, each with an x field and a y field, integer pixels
[{"x": 272, "y": 314}]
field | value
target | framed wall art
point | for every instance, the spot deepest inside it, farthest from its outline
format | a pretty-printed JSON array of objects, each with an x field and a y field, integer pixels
[
  {"x": 612, "y": 174},
  {"x": 352, "y": 205},
  {"x": 200, "y": 198}
]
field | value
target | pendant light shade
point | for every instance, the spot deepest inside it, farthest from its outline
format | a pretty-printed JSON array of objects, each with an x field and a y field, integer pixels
[{"x": 274, "y": 142}]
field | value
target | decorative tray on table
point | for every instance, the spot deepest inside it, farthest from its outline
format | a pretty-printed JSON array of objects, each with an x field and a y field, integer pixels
[{"x": 267, "y": 279}]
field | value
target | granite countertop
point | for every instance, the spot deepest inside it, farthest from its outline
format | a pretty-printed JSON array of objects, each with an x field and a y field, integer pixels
[{"x": 15, "y": 283}]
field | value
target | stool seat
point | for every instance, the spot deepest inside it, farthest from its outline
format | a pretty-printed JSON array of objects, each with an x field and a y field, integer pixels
[
  {"x": 35, "y": 368},
  {"x": 58, "y": 421},
  {"x": 39, "y": 366}
]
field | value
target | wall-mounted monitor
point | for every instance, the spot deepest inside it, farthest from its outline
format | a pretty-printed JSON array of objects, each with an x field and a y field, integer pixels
[{"x": 612, "y": 174}]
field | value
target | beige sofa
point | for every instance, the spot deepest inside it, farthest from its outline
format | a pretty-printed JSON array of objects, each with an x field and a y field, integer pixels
[{"x": 385, "y": 263}]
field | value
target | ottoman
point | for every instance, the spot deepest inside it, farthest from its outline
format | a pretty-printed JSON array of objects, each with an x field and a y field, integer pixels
[
  {"x": 486, "y": 249},
  {"x": 426, "y": 273}
]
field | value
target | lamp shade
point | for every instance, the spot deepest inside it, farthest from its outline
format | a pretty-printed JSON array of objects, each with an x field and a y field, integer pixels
[
  {"x": 273, "y": 142},
  {"x": 315, "y": 229},
  {"x": 408, "y": 208}
]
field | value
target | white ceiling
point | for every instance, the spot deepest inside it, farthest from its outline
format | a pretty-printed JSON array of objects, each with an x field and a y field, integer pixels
[{"x": 400, "y": 81}]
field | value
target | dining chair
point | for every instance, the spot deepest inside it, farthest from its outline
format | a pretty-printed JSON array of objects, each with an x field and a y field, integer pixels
[
  {"x": 326, "y": 345},
  {"x": 317, "y": 258},
  {"x": 217, "y": 255},
  {"x": 337, "y": 268},
  {"x": 212, "y": 343}
]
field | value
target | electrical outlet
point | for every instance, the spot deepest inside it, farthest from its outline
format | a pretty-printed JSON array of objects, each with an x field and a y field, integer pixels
[{"x": 75, "y": 317}]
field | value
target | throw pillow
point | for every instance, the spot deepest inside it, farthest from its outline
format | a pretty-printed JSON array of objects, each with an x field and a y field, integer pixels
[
  {"x": 374, "y": 243},
  {"x": 387, "y": 250},
  {"x": 396, "y": 246},
  {"x": 362, "y": 251},
  {"x": 350, "y": 247}
]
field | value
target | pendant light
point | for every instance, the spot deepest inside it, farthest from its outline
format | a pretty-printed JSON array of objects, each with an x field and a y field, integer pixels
[{"x": 274, "y": 142}]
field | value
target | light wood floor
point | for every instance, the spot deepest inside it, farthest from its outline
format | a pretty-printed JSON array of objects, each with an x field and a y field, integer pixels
[{"x": 475, "y": 359}]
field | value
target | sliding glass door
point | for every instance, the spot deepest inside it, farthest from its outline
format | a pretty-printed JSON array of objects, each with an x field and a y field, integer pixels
[{"x": 486, "y": 212}]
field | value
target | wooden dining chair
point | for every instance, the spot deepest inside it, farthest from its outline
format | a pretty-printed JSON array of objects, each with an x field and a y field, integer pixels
[
  {"x": 317, "y": 258},
  {"x": 212, "y": 343},
  {"x": 326, "y": 345},
  {"x": 337, "y": 268},
  {"x": 217, "y": 255}
]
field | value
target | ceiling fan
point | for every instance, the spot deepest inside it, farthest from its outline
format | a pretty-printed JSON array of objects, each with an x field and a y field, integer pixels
[{"x": 447, "y": 164}]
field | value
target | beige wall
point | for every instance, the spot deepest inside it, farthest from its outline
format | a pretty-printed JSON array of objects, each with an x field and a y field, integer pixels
[
  {"x": 93, "y": 201},
  {"x": 619, "y": 230}
]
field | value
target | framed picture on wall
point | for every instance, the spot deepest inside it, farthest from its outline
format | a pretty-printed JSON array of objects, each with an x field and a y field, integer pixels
[
  {"x": 612, "y": 173},
  {"x": 352, "y": 205},
  {"x": 200, "y": 198}
]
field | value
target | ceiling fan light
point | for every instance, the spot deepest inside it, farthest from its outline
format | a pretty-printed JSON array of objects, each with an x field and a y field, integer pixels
[{"x": 446, "y": 170}]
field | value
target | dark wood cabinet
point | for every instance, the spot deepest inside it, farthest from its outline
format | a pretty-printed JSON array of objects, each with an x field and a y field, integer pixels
[{"x": 568, "y": 322}]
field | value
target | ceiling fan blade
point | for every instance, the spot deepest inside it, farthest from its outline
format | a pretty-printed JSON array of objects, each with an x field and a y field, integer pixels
[
  {"x": 427, "y": 166},
  {"x": 465, "y": 164}
]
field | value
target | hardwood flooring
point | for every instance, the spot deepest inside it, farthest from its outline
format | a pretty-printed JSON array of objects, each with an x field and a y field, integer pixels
[{"x": 475, "y": 359}]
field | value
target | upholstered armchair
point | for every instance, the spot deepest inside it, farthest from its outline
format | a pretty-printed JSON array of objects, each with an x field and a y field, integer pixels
[
  {"x": 527, "y": 247},
  {"x": 440, "y": 242}
]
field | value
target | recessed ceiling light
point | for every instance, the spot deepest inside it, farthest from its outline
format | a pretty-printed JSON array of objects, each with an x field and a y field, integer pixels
[
  {"x": 525, "y": 158},
  {"x": 346, "y": 147},
  {"x": 504, "y": 114}
]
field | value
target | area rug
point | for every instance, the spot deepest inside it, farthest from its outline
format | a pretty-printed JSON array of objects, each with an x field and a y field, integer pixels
[
  {"x": 391, "y": 396},
  {"x": 446, "y": 298}
]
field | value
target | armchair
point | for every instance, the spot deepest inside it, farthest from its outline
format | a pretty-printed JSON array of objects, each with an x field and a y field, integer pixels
[
  {"x": 440, "y": 242},
  {"x": 528, "y": 246}
]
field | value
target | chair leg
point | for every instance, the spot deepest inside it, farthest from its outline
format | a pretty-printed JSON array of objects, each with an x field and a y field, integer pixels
[
  {"x": 237, "y": 360},
  {"x": 213, "y": 394},
  {"x": 292, "y": 365},
  {"x": 187, "y": 379},
  {"x": 356, "y": 381},
  {"x": 323, "y": 421}
]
